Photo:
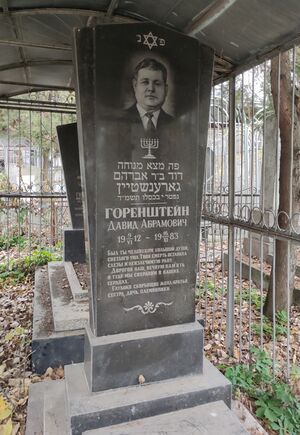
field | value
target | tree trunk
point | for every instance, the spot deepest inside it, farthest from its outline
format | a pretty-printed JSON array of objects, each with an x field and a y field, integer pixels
[
  {"x": 45, "y": 170},
  {"x": 283, "y": 110}
]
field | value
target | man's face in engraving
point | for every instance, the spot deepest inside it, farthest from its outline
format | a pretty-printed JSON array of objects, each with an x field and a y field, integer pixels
[{"x": 150, "y": 89}]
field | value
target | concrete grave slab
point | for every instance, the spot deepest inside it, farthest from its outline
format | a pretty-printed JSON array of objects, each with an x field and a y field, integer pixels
[
  {"x": 68, "y": 315},
  {"x": 49, "y": 347},
  {"x": 78, "y": 293}
]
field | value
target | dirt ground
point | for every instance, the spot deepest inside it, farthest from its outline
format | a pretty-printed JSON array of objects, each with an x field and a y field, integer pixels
[{"x": 16, "y": 309}]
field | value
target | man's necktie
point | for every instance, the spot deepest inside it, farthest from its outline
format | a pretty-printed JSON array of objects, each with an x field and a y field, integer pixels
[{"x": 150, "y": 127}]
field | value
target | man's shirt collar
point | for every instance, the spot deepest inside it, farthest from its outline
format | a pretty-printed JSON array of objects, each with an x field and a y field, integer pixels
[{"x": 144, "y": 118}]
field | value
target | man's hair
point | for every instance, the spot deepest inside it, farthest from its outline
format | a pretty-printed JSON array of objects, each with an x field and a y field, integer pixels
[{"x": 153, "y": 64}]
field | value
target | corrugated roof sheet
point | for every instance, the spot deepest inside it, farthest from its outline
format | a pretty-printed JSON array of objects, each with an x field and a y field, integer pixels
[{"x": 239, "y": 31}]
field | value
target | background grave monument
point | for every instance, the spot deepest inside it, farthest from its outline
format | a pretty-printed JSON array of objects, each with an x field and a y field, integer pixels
[
  {"x": 142, "y": 196},
  {"x": 74, "y": 249},
  {"x": 60, "y": 304}
]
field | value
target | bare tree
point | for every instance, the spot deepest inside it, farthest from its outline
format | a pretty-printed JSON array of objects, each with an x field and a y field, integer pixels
[{"x": 282, "y": 93}]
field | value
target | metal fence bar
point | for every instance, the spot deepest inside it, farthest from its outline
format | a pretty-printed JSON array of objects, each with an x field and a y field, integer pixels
[
  {"x": 240, "y": 296},
  {"x": 213, "y": 229},
  {"x": 242, "y": 140},
  {"x": 206, "y": 229},
  {"x": 250, "y": 292},
  {"x": 32, "y": 193},
  {"x": 273, "y": 307},
  {"x": 249, "y": 227},
  {"x": 245, "y": 224},
  {"x": 261, "y": 291},
  {"x": 231, "y": 165},
  {"x": 288, "y": 312}
]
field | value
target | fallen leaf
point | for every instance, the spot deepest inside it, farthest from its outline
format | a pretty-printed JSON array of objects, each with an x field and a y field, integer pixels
[
  {"x": 48, "y": 372},
  {"x": 15, "y": 429},
  {"x": 141, "y": 379},
  {"x": 6, "y": 429},
  {"x": 5, "y": 410}
]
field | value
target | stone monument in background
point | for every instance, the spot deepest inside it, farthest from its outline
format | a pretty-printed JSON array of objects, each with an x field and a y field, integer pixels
[
  {"x": 74, "y": 249},
  {"x": 61, "y": 308}
]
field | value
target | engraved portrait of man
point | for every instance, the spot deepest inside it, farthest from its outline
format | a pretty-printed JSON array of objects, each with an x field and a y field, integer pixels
[{"x": 150, "y": 86}]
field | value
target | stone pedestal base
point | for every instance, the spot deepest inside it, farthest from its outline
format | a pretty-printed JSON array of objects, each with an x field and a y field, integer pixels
[
  {"x": 105, "y": 389},
  {"x": 68, "y": 407},
  {"x": 155, "y": 354},
  {"x": 209, "y": 419},
  {"x": 74, "y": 246}
]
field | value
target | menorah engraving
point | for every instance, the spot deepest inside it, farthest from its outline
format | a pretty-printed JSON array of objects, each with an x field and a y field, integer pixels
[{"x": 149, "y": 144}]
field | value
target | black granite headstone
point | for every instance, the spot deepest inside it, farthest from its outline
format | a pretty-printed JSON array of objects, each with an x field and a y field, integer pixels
[
  {"x": 143, "y": 98},
  {"x": 74, "y": 244},
  {"x": 142, "y": 170},
  {"x": 68, "y": 144}
]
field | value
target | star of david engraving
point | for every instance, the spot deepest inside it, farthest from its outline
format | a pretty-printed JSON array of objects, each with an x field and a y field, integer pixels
[{"x": 150, "y": 40}]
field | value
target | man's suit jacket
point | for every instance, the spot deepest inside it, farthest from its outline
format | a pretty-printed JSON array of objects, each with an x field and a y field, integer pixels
[
  {"x": 130, "y": 130},
  {"x": 163, "y": 119}
]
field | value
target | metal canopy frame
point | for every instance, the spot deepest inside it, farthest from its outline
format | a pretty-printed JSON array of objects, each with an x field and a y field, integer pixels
[{"x": 34, "y": 38}]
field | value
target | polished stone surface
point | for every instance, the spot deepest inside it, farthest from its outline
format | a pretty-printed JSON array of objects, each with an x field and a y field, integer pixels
[
  {"x": 143, "y": 195},
  {"x": 68, "y": 144},
  {"x": 119, "y": 360},
  {"x": 74, "y": 245}
]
